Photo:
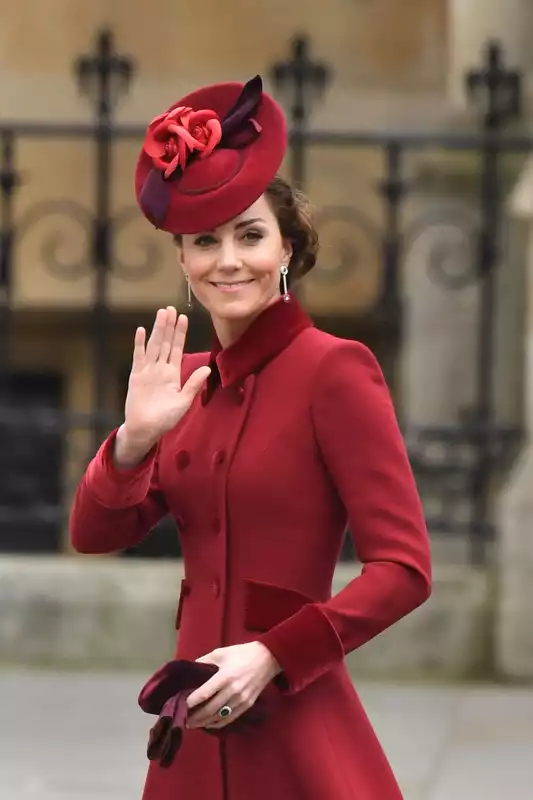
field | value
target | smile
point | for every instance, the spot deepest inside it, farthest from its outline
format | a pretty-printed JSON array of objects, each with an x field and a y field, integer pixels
[{"x": 233, "y": 286}]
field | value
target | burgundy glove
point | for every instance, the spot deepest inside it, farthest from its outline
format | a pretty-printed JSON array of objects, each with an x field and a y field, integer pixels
[{"x": 166, "y": 693}]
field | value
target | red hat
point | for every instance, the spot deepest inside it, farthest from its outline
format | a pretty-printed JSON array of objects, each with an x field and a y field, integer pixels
[{"x": 210, "y": 156}]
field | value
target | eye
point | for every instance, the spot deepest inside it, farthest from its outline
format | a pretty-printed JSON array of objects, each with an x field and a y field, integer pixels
[
  {"x": 252, "y": 236},
  {"x": 204, "y": 241}
]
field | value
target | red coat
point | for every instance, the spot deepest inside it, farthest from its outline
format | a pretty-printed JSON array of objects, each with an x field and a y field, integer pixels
[{"x": 294, "y": 438}]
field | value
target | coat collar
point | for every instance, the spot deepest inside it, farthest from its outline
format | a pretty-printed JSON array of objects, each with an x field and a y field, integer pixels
[{"x": 270, "y": 333}]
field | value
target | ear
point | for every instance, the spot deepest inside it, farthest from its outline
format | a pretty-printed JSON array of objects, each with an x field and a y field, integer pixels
[
  {"x": 180, "y": 257},
  {"x": 286, "y": 253}
]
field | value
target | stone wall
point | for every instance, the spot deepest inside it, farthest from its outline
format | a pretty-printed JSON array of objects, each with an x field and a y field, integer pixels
[
  {"x": 382, "y": 46},
  {"x": 108, "y": 613}
]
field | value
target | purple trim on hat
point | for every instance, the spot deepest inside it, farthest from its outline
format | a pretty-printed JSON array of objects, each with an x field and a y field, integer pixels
[
  {"x": 238, "y": 125},
  {"x": 154, "y": 197}
]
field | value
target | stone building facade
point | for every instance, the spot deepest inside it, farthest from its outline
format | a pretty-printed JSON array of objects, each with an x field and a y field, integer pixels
[{"x": 396, "y": 66}]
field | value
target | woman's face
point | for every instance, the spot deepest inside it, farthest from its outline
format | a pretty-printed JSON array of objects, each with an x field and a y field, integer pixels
[{"x": 234, "y": 271}]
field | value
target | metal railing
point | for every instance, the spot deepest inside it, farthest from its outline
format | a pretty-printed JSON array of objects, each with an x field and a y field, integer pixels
[{"x": 469, "y": 455}]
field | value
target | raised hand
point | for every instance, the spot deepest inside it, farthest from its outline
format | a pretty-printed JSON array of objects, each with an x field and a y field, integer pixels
[{"x": 156, "y": 400}]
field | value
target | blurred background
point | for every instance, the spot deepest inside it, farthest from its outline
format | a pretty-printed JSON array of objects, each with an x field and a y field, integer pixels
[{"x": 411, "y": 130}]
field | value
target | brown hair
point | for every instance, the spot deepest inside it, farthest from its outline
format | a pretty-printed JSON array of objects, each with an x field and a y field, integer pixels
[{"x": 293, "y": 213}]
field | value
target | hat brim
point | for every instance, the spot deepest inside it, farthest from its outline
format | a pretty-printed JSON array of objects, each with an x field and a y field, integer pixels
[{"x": 214, "y": 190}]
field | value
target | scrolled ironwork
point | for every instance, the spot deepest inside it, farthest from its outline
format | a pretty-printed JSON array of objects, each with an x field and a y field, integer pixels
[
  {"x": 70, "y": 211},
  {"x": 453, "y": 234},
  {"x": 151, "y": 253},
  {"x": 62, "y": 237},
  {"x": 347, "y": 255}
]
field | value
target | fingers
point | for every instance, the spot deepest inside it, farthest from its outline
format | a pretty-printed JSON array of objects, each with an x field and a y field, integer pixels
[
  {"x": 156, "y": 337},
  {"x": 208, "y": 714},
  {"x": 161, "y": 339},
  {"x": 206, "y": 701},
  {"x": 178, "y": 343},
  {"x": 237, "y": 711},
  {"x": 195, "y": 383},
  {"x": 205, "y": 692},
  {"x": 168, "y": 334},
  {"x": 139, "y": 353},
  {"x": 167, "y": 340}
]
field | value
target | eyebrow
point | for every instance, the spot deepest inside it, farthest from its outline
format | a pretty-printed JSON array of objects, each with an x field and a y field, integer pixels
[{"x": 246, "y": 222}]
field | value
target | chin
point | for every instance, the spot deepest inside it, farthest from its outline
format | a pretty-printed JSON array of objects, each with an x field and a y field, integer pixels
[
  {"x": 237, "y": 309},
  {"x": 239, "y": 305}
]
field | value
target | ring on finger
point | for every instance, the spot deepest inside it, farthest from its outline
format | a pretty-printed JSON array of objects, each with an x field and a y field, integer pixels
[{"x": 225, "y": 712}]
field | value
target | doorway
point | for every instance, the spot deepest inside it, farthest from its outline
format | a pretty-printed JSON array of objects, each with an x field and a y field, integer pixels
[{"x": 31, "y": 451}]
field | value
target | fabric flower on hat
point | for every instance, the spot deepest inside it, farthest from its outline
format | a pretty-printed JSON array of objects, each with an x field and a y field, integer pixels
[{"x": 173, "y": 136}]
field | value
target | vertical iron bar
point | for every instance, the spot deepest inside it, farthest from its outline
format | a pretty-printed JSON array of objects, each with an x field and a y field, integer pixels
[
  {"x": 489, "y": 256},
  {"x": 109, "y": 74},
  {"x": 102, "y": 261},
  {"x": 303, "y": 77},
  {"x": 8, "y": 183},
  {"x": 392, "y": 189},
  {"x": 502, "y": 92},
  {"x": 299, "y": 119}
]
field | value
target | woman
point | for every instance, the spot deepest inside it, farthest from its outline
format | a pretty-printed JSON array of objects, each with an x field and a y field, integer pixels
[{"x": 263, "y": 450}]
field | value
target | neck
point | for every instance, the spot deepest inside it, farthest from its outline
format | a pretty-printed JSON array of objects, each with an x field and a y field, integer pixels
[{"x": 229, "y": 330}]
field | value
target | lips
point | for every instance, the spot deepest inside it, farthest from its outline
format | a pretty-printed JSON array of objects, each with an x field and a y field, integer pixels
[{"x": 231, "y": 285}]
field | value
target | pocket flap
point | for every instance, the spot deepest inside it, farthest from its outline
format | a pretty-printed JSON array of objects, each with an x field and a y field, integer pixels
[{"x": 266, "y": 605}]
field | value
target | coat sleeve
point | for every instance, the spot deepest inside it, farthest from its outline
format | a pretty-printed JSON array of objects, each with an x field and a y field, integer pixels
[
  {"x": 363, "y": 450},
  {"x": 115, "y": 509}
]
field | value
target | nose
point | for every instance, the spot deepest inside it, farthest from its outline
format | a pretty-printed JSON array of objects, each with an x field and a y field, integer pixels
[{"x": 228, "y": 258}]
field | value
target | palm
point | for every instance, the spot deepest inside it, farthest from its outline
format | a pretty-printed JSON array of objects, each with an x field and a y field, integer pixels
[{"x": 156, "y": 400}]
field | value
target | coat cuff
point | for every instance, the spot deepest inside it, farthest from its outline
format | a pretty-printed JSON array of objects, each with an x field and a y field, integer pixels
[
  {"x": 306, "y": 646},
  {"x": 119, "y": 488}
]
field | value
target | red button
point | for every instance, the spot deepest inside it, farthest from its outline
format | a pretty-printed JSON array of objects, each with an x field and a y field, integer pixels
[
  {"x": 219, "y": 457},
  {"x": 216, "y": 587},
  {"x": 183, "y": 459},
  {"x": 241, "y": 395}
]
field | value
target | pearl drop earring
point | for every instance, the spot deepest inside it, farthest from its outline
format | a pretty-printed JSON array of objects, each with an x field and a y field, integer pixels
[
  {"x": 189, "y": 292},
  {"x": 284, "y": 273}
]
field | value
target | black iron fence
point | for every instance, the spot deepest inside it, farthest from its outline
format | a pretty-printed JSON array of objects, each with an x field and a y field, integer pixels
[{"x": 457, "y": 464}]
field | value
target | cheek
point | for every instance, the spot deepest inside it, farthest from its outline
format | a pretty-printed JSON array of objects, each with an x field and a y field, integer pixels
[
  {"x": 265, "y": 262},
  {"x": 196, "y": 265}
]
